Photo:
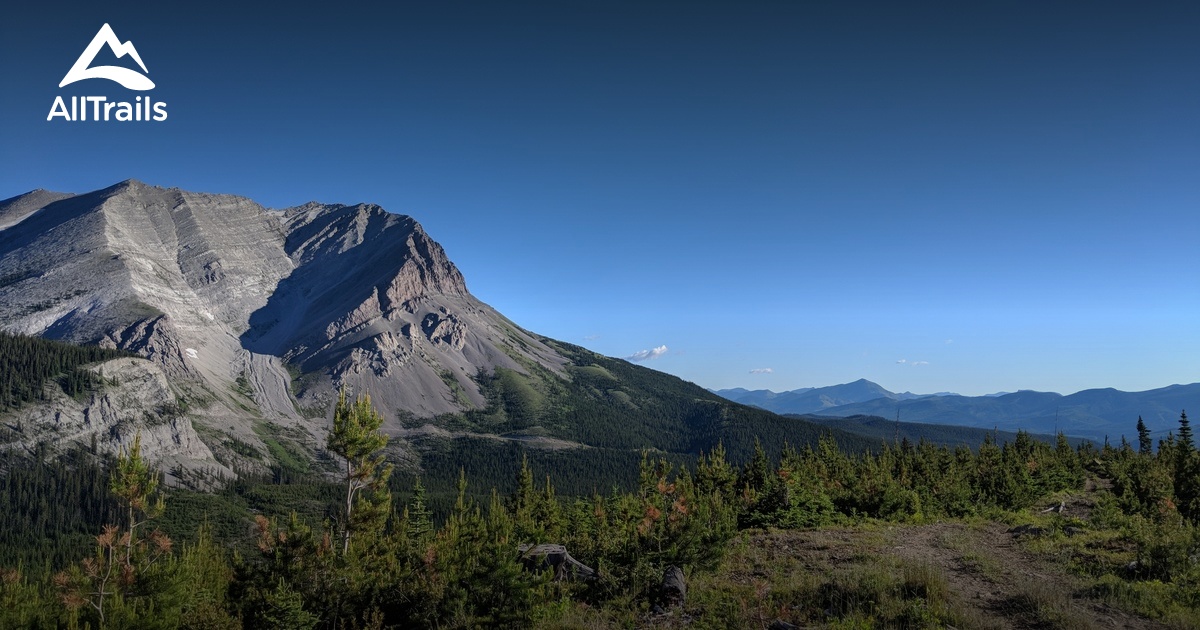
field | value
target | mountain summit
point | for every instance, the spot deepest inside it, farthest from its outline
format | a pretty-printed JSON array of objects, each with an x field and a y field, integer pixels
[
  {"x": 227, "y": 296},
  {"x": 217, "y": 288}
]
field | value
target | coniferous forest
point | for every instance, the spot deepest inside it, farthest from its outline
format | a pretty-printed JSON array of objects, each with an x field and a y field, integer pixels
[
  {"x": 384, "y": 558},
  {"x": 26, "y": 363},
  {"x": 88, "y": 541}
]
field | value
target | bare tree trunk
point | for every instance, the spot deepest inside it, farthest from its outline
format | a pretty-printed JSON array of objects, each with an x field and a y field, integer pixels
[
  {"x": 129, "y": 546},
  {"x": 349, "y": 506}
]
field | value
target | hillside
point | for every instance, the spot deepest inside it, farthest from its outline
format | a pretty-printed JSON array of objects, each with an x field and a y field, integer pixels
[
  {"x": 253, "y": 318},
  {"x": 884, "y": 430},
  {"x": 1016, "y": 535}
]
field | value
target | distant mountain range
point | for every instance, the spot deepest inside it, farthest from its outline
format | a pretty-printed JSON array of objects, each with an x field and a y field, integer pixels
[
  {"x": 813, "y": 400},
  {"x": 1093, "y": 413}
]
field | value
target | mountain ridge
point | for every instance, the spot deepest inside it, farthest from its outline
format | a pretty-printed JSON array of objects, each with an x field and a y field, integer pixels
[
  {"x": 1092, "y": 413},
  {"x": 257, "y": 317},
  {"x": 812, "y": 399}
]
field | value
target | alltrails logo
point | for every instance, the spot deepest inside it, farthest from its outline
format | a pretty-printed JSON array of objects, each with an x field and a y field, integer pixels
[{"x": 142, "y": 108}]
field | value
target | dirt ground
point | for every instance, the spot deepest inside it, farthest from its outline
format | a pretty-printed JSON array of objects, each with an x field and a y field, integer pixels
[
  {"x": 986, "y": 569},
  {"x": 985, "y": 566}
]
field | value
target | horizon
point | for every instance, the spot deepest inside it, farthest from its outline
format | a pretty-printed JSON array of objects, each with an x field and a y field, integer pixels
[
  {"x": 980, "y": 199},
  {"x": 950, "y": 393}
]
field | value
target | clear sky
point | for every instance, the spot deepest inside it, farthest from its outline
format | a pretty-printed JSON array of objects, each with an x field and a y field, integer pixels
[{"x": 937, "y": 196}]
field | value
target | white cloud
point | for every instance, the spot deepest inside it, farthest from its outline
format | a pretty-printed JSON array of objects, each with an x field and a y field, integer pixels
[
  {"x": 591, "y": 337},
  {"x": 647, "y": 355},
  {"x": 902, "y": 361},
  {"x": 949, "y": 341},
  {"x": 914, "y": 363},
  {"x": 762, "y": 371}
]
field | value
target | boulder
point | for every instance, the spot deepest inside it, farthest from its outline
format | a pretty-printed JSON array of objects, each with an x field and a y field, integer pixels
[{"x": 674, "y": 586}]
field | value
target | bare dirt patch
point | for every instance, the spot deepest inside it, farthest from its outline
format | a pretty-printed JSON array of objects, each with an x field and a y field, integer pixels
[{"x": 987, "y": 570}]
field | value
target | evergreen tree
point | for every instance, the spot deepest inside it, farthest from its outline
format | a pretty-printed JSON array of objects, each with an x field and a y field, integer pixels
[
  {"x": 1145, "y": 445},
  {"x": 757, "y": 472},
  {"x": 1187, "y": 472},
  {"x": 284, "y": 609},
  {"x": 136, "y": 485},
  {"x": 419, "y": 516},
  {"x": 357, "y": 439},
  {"x": 523, "y": 503},
  {"x": 1186, "y": 444},
  {"x": 107, "y": 579}
]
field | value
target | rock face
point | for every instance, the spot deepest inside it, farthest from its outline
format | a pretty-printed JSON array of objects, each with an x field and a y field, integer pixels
[
  {"x": 140, "y": 401},
  {"x": 225, "y": 297}
]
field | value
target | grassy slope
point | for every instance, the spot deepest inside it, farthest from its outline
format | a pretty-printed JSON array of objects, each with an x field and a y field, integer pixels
[{"x": 613, "y": 404}]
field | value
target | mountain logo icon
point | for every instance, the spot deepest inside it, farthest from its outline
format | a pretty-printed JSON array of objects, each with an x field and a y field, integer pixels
[{"x": 131, "y": 79}]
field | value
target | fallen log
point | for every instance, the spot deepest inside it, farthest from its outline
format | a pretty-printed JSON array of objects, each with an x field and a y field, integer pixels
[{"x": 556, "y": 558}]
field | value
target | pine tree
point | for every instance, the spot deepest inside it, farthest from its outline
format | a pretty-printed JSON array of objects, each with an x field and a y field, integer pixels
[
  {"x": 357, "y": 439},
  {"x": 1185, "y": 434},
  {"x": 1187, "y": 472},
  {"x": 121, "y": 558},
  {"x": 420, "y": 517},
  {"x": 523, "y": 503},
  {"x": 1145, "y": 445},
  {"x": 714, "y": 474},
  {"x": 756, "y": 474},
  {"x": 136, "y": 485},
  {"x": 284, "y": 608}
]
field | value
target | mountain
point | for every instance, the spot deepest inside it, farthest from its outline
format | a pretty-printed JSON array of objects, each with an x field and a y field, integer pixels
[
  {"x": 15, "y": 210},
  {"x": 813, "y": 400},
  {"x": 256, "y": 317},
  {"x": 1093, "y": 413},
  {"x": 887, "y": 430}
]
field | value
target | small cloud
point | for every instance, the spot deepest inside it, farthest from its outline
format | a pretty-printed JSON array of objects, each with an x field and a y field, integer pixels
[
  {"x": 762, "y": 371},
  {"x": 949, "y": 341},
  {"x": 907, "y": 362},
  {"x": 591, "y": 337},
  {"x": 647, "y": 355},
  {"x": 902, "y": 361}
]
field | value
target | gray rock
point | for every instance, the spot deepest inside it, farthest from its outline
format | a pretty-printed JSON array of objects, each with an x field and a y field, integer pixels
[
  {"x": 140, "y": 402},
  {"x": 222, "y": 294},
  {"x": 674, "y": 586}
]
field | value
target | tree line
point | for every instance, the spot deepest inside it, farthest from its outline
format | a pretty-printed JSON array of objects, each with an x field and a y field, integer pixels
[
  {"x": 27, "y": 362},
  {"x": 377, "y": 561}
]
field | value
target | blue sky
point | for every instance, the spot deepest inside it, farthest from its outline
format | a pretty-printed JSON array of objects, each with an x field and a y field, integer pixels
[{"x": 1001, "y": 195}]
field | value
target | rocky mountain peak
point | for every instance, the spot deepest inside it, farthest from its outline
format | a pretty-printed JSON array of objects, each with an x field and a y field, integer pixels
[{"x": 233, "y": 301}]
